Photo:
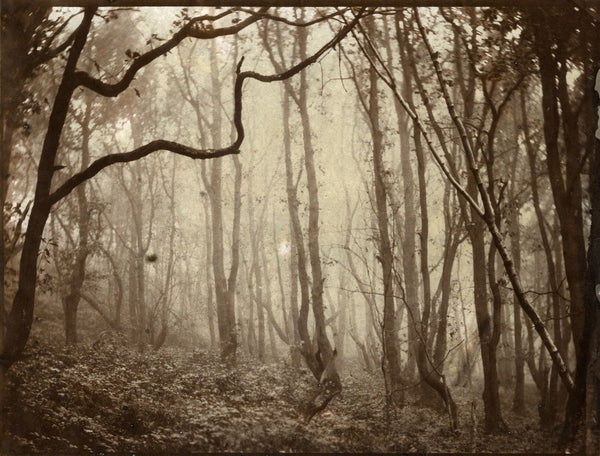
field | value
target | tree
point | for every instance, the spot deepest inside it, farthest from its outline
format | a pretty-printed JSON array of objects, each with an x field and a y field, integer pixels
[
  {"x": 30, "y": 39},
  {"x": 324, "y": 353},
  {"x": 552, "y": 46},
  {"x": 19, "y": 320},
  {"x": 486, "y": 213},
  {"x": 224, "y": 285},
  {"x": 77, "y": 270},
  {"x": 392, "y": 373}
]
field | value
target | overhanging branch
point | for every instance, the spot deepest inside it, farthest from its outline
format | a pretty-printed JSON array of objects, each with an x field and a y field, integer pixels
[
  {"x": 199, "y": 154},
  {"x": 141, "y": 152},
  {"x": 324, "y": 3},
  {"x": 189, "y": 30}
]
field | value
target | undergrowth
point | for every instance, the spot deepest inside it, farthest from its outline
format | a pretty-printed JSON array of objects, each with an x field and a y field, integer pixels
[{"x": 107, "y": 398}]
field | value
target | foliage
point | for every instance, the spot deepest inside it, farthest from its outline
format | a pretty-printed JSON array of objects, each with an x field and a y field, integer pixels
[{"x": 104, "y": 397}]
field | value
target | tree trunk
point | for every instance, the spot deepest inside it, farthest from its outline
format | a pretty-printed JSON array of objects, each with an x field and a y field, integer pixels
[
  {"x": 132, "y": 289},
  {"x": 391, "y": 366},
  {"x": 20, "y": 318},
  {"x": 167, "y": 291},
  {"x": 342, "y": 318},
  {"x": 515, "y": 246},
  {"x": 452, "y": 241},
  {"x": 324, "y": 350},
  {"x": 592, "y": 303},
  {"x": 257, "y": 269},
  {"x": 269, "y": 303},
  {"x": 314, "y": 249},
  {"x": 409, "y": 260},
  {"x": 298, "y": 251},
  {"x": 567, "y": 194},
  {"x": 210, "y": 307},
  {"x": 224, "y": 285},
  {"x": 260, "y": 312},
  {"x": 289, "y": 315},
  {"x": 77, "y": 276},
  {"x": 294, "y": 316},
  {"x": 592, "y": 284}
]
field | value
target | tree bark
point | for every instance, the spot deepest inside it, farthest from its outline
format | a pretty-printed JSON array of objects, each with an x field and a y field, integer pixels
[
  {"x": 476, "y": 233},
  {"x": 77, "y": 275},
  {"x": 391, "y": 366},
  {"x": 314, "y": 249},
  {"x": 257, "y": 269},
  {"x": 19, "y": 320},
  {"x": 451, "y": 244},
  {"x": 567, "y": 194},
  {"x": 224, "y": 285},
  {"x": 210, "y": 306},
  {"x": 515, "y": 246}
]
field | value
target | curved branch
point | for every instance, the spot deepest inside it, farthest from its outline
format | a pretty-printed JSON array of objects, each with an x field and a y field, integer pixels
[
  {"x": 190, "y": 30},
  {"x": 391, "y": 83},
  {"x": 199, "y": 154},
  {"x": 141, "y": 152},
  {"x": 489, "y": 219},
  {"x": 294, "y": 23}
]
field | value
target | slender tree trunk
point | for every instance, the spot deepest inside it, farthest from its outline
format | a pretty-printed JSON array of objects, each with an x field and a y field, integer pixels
[
  {"x": 467, "y": 345},
  {"x": 269, "y": 304},
  {"x": 324, "y": 346},
  {"x": 307, "y": 293},
  {"x": 391, "y": 365},
  {"x": 289, "y": 318},
  {"x": 224, "y": 285},
  {"x": 166, "y": 295},
  {"x": 567, "y": 193},
  {"x": 548, "y": 412},
  {"x": 260, "y": 313},
  {"x": 452, "y": 241},
  {"x": 132, "y": 289},
  {"x": 515, "y": 246},
  {"x": 251, "y": 331},
  {"x": 257, "y": 269},
  {"x": 71, "y": 300},
  {"x": 294, "y": 316},
  {"x": 298, "y": 254},
  {"x": 340, "y": 335},
  {"x": 210, "y": 306},
  {"x": 409, "y": 260}
]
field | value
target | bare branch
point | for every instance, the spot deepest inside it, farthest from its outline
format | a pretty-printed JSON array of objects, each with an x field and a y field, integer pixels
[
  {"x": 124, "y": 157},
  {"x": 199, "y": 154},
  {"x": 189, "y": 30},
  {"x": 289, "y": 22},
  {"x": 489, "y": 218},
  {"x": 391, "y": 83}
]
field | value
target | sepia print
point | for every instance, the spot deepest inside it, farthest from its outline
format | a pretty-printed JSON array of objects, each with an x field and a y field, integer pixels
[{"x": 300, "y": 226}]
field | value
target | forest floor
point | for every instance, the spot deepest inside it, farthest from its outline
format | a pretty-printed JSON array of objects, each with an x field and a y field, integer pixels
[{"x": 107, "y": 398}]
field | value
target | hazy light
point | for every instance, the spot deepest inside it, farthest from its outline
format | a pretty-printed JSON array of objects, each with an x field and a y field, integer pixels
[{"x": 284, "y": 249}]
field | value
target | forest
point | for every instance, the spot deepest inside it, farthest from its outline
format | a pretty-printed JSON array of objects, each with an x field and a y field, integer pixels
[{"x": 300, "y": 229}]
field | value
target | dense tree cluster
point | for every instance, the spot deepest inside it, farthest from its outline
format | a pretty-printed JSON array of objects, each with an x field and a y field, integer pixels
[{"x": 415, "y": 191}]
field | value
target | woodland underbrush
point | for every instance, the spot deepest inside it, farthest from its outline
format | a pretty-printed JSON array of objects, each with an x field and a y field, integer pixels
[{"x": 104, "y": 397}]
